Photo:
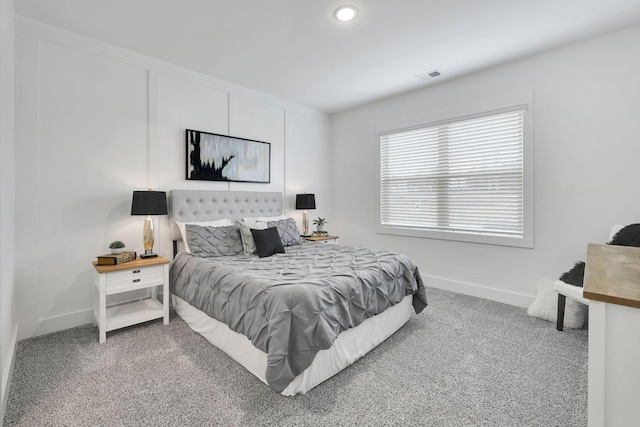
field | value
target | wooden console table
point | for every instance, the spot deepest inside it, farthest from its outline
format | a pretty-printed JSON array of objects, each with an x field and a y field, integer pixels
[{"x": 612, "y": 285}]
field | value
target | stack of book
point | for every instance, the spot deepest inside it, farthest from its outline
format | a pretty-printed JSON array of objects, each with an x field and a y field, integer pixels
[{"x": 115, "y": 259}]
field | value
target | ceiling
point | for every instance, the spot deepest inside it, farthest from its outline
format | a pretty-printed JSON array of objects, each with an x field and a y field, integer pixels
[{"x": 296, "y": 50}]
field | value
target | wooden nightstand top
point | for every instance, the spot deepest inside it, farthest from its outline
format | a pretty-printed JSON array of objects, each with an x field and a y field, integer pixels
[
  {"x": 320, "y": 238},
  {"x": 137, "y": 263},
  {"x": 612, "y": 274}
]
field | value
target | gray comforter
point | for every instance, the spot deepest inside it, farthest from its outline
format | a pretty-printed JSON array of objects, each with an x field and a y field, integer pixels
[{"x": 295, "y": 304}]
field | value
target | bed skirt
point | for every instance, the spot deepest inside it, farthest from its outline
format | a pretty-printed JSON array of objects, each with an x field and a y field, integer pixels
[{"x": 348, "y": 347}]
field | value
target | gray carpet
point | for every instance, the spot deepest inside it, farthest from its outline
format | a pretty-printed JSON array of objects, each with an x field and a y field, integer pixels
[{"x": 464, "y": 361}]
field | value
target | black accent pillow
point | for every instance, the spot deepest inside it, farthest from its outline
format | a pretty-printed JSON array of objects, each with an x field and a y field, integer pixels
[
  {"x": 267, "y": 242},
  {"x": 627, "y": 236},
  {"x": 575, "y": 276}
]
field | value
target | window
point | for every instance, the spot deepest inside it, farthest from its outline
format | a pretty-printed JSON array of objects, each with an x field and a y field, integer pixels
[{"x": 461, "y": 179}]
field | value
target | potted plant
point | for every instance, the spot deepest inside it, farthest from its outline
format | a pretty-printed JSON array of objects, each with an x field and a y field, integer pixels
[
  {"x": 319, "y": 223},
  {"x": 116, "y": 247}
]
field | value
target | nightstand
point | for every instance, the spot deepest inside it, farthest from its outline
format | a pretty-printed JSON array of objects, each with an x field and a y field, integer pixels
[
  {"x": 323, "y": 239},
  {"x": 148, "y": 273}
]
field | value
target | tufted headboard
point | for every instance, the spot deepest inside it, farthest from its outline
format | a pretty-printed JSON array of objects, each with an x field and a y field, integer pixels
[{"x": 203, "y": 205}]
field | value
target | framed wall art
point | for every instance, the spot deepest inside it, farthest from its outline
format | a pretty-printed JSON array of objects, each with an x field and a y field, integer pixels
[{"x": 214, "y": 157}]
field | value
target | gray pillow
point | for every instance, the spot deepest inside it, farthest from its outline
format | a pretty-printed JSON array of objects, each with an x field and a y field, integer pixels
[
  {"x": 206, "y": 242},
  {"x": 247, "y": 238},
  {"x": 287, "y": 230}
]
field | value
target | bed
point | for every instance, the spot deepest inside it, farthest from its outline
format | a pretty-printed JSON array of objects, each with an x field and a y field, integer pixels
[{"x": 294, "y": 318}]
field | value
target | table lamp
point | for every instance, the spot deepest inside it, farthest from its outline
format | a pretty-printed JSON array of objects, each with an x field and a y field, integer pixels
[
  {"x": 305, "y": 201},
  {"x": 149, "y": 203}
]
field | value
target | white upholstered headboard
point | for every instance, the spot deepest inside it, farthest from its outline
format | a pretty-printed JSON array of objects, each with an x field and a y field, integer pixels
[{"x": 203, "y": 205}]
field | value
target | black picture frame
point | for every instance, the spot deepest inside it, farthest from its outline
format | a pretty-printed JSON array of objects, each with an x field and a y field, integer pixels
[{"x": 216, "y": 157}]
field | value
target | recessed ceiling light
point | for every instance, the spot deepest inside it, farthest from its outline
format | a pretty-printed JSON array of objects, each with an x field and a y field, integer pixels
[
  {"x": 346, "y": 13},
  {"x": 430, "y": 75}
]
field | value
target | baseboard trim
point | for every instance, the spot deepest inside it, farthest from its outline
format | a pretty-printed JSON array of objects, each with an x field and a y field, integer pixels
[
  {"x": 7, "y": 372},
  {"x": 55, "y": 324},
  {"x": 493, "y": 294},
  {"x": 78, "y": 318}
]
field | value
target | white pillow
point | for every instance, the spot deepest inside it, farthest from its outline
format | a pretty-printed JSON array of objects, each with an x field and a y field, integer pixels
[
  {"x": 248, "y": 243},
  {"x": 217, "y": 223},
  {"x": 545, "y": 306},
  {"x": 254, "y": 219}
]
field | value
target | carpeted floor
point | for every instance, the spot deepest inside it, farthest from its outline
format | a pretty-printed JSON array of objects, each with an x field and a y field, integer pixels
[{"x": 464, "y": 361}]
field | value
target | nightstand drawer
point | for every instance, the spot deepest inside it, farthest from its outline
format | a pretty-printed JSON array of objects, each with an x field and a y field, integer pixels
[
  {"x": 329, "y": 241},
  {"x": 134, "y": 272},
  {"x": 326, "y": 239},
  {"x": 130, "y": 280}
]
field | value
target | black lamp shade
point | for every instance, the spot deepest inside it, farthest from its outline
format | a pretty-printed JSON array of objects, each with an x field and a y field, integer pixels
[
  {"x": 305, "y": 201},
  {"x": 149, "y": 203}
]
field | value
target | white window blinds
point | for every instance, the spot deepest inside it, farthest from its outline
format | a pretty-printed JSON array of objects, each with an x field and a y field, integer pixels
[{"x": 461, "y": 176}]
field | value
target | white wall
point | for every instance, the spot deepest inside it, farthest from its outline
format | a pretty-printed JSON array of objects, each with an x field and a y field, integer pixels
[
  {"x": 94, "y": 123},
  {"x": 8, "y": 323},
  {"x": 586, "y": 114},
  {"x": 305, "y": 159}
]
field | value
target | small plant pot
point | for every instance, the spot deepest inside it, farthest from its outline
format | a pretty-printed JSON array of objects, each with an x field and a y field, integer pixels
[
  {"x": 117, "y": 251},
  {"x": 320, "y": 228}
]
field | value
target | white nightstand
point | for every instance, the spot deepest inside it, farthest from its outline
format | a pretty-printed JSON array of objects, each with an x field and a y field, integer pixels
[
  {"x": 130, "y": 276},
  {"x": 323, "y": 239}
]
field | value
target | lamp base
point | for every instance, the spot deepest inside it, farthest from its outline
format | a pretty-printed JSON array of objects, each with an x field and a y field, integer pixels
[
  {"x": 305, "y": 223},
  {"x": 148, "y": 253},
  {"x": 148, "y": 236}
]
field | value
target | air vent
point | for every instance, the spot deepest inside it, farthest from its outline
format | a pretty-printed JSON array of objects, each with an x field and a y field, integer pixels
[{"x": 430, "y": 75}]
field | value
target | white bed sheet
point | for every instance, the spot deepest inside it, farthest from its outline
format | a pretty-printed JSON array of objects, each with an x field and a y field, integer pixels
[{"x": 350, "y": 345}]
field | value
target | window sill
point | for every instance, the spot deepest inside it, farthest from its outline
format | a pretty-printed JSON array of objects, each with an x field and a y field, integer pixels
[{"x": 487, "y": 239}]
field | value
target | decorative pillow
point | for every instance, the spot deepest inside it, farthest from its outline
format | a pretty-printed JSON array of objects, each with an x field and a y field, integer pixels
[
  {"x": 216, "y": 223},
  {"x": 267, "y": 242},
  {"x": 288, "y": 231},
  {"x": 627, "y": 236},
  {"x": 253, "y": 219},
  {"x": 575, "y": 276},
  {"x": 545, "y": 306},
  {"x": 206, "y": 242},
  {"x": 248, "y": 243}
]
